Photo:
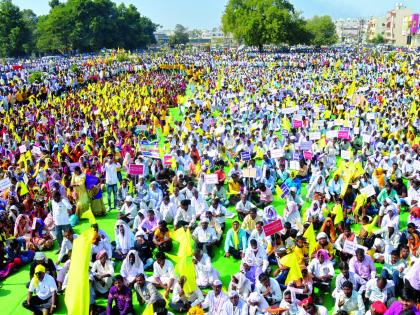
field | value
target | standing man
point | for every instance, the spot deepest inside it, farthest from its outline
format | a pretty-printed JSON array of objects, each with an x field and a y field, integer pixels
[
  {"x": 60, "y": 211},
  {"x": 111, "y": 179}
]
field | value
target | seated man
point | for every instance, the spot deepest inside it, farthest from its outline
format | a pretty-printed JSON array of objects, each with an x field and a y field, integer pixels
[
  {"x": 204, "y": 237},
  {"x": 349, "y": 300},
  {"x": 206, "y": 274},
  {"x": 379, "y": 289},
  {"x": 66, "y": 245},
  {"x": 251, "y": 220},
  {"x": 146, "y": 292},
  {"x": 359, "y": 284},
  {"x": 149, "y": 225},
  {"x": 256, "y": 255},
  {"x": 163, "y": 273},
  {"x": 128, "y": 210},
  {"x": 215, "y": 299},
  {"x": 243, "y": 207},
  {"x": 363, "y": 265},
  {"x": 257, "y": 304},
  {"x": 269, "y": 288},
  {"x": 322, "y": 271},
  {"x": 121, "y": 295},
  {"x": 236, "y": 242},
  {"x": 43, "y": 285},
  {"x": 185, "y": 215},
  {"x": 41, "y": 259}
]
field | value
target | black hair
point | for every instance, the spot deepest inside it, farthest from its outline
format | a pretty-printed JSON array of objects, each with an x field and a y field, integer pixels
[{"x": 347, "y": 284}]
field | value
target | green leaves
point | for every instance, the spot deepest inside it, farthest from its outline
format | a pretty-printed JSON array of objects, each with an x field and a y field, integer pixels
[
  {"x": 322, "y": 30},
  {"x": 180, "y": 36}
]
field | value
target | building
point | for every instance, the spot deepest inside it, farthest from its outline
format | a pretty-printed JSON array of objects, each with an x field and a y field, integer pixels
[
  {"x": 397, "y": 25},
  {"x": 351, "y": 31},
  {"x": 376, "y": 25}
]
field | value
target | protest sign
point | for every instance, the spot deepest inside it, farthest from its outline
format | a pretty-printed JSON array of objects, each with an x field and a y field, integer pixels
[
  {"x": 351, "y": 247},
  {"x": 331, "y": 134},
  {"x": 273, "y": 227},
  {"x": 345, "y": 154},
  {"x": 276, "y": 153},
  {"x": 5, "y": 184},
  {"x": 36, "y": 151},
  {"x": 136, "y": 169},
  {"x": 343, "y": 134},
  {"x": 306, "y": 145},
  {"x": 245, "y": 156},
  {"x": 167, "y": 159},
  {"x": 366, "y": 138},
  {"x": 297, "y": 124},
  {"x": 22, "y": 148},
  {"x": 314, "y": 135},
  {"x": 307, "y": 155},
  {"x": 211, "y": 179},
  {"x": 294, "y": 165},
  {"x": 368, "y": 191},
  {"x": 250, "y": 172}
]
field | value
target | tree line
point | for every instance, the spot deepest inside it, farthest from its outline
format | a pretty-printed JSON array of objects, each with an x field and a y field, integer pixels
[
  {"x": 74, "y": 25},
  {"x": 260, "y": 22}
]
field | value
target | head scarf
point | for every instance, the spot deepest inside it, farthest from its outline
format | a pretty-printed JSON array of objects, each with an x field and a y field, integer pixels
[
  {"x": 414, "y": 247},
  {"x": 270, "y": 214},
  {"x": 324, "y": 254},
  {"x": 125, "y": 241},
  {"x": 329, "y": 230},
  {"x": 379, "y": 176},
  {"x": 138, "y": 264},
  {"x": 292, "y": 307},
  {"x": 19, "y": 231},
  {"x": 38, "y": 268},
  {"x": 101, "y": 254}
]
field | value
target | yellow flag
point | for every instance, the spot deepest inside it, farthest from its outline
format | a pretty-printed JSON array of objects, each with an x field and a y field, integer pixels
[
  {"x": 339, "y": 217},
  {"x": 89, "y": 215},
  {"x": 310, "y": 238},
  {"x": 291, "y": 261},
  {"x": 77, "y": 296},
  {"x": 148, "y": 310},
  {"x": 369, "y": 227},
  {"x": 185, "y": 268},
  {"x": 187, "y": 124},
  {"x": 197, "y": 117}
]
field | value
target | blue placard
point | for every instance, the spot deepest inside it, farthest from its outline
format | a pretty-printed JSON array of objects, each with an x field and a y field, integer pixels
[
  {"x": 285, "y": 190},
  {"x": 245, "y": 156}
]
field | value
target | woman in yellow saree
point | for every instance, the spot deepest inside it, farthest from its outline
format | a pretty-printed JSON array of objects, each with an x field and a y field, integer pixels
[{"x": 78, "y": 182}]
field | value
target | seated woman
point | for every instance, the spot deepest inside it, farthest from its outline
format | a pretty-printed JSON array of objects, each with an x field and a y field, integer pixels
[
  {"x": 322, "y": 270},
  {"x": 240, "y": 284},
  {"x": 7, "y": 265},
  {"x": 45, "y": 300},
  {"x": 314, "y": 214},
  {"x": 14, "y": 251},
  {"x": 162, "y": 238},
  {"x": 124, "y": 240},
  {"x": 103, "y": 271},
  {"x": 22, "y": 230},
  {"x": 40, "y": 240},
  {"x": 131, "y": 267},
  {"x": 121, "y": 295}
]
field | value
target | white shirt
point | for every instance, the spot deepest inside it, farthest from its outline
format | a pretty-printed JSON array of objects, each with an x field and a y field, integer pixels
[
  {"x": 215, "y": 304},
  {"x": 320, "y": 270},
  {"x": 275, "y": 290},
  {"x": 66, "y": 246},
  {"x": 111, "y": 177},
  {"x": 45, "y": 288},
  {"x": 130, "y": 210},
  {"x": 166, "y": 271},
  {"x": 60, "y": 212},
  {"x": 240, "y": 309},
  {"x": 205, "y": 236}
]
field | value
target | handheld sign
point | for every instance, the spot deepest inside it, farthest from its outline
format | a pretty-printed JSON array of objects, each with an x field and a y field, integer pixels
[
  {"x": 297, "y": 124},
  {"x": 211, "y": 179},
  {"x": 273, "y": 227},
  {"x": 294, "y": 165},
  {"x": 22, "y": 148},
  {"x": 285, "y": 190},
  {"x": 250, "y": 172},
  {"x": 245, "y": 156},
  {"x": 5, "y": 184},
  {"x": 167, "y": 159},
  {"x": 276, "y": 153},
  {"x": 307, "y": 155},
  {"x": 136, "y": 169},
  {"x": 306, "y": 145},
  {"x": 345, "y": 154},
  {"x": 368, "y": 190},
  {"x": 314, "y": 135}
]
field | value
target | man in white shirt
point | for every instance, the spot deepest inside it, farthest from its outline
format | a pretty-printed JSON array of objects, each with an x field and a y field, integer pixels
[
  {"x": 379, "y": 289},
  {"x": 243, "y": 207},
  {"x": 66, "y": 246},
  {"x": 128, "y": 210},
  {"x": 163, "y": 273},
  {"x": 60, "y": 211},
  {"x": 167, "y": 210},
  {"x": 349, "y": 300},
  {"x": 111, "y": 168},
  {"x": 269, "y": 288},
  {"x": 235, "y": 305},
  {"x": 215, "y": 299},
  {"x": 45, "y": 288},
  {"x": 205, "y": 237},
  {"x": 256, "y": 255},
  {"x": 185, "y": 215}
]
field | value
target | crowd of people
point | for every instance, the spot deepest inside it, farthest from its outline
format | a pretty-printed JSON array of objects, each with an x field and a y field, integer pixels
[{"x": 324, "y": 146}]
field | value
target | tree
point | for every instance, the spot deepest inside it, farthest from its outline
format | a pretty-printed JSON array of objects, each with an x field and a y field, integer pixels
[
  {"x": 15, "y": 34},
  {"x": 180, "y": 36},
  {"x": 378, "y": 39},
  {"x": 31, "y": 21},
  {"x": 54, "y": 3},
  {"x": 322, "y": 30},
  {"x": 260, "y": 22}
]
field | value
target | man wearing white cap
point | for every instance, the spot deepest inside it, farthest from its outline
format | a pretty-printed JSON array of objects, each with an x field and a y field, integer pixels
[
  {"x": 235, "y": 305},
  {"x": 204, "y": 236},
  {"x": 257, "y": 304},
  {"x": 215, "y": 299},
  {"x": 128, "y": 210}
]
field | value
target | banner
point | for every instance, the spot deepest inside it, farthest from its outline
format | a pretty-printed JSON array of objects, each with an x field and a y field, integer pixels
[
  {"x": 211, "y": 179},
  {"x": 273, "y": 227},
  {"x": 136, "y": 169}
]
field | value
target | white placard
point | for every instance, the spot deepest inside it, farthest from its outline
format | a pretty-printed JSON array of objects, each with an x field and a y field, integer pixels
[
  {"x": 366, "y": 138},
  {"x": 370, "y": 116},
  {"x": 340, "y": 106},
  {"x": 276, "y": 153},
  {"x": 338, "y": 122},
  {"x": 294, "y": 165},
  {"x": 36, "y": 151},
  {"x": 22, "y": 148},
  {"x": 331, "y": 134},
  {"x": 351, "y": 247},
  {"x": 105, "y": 122},
  {"x": 345, "y": 155},
  {"x": 250, "y": 172},
  {"x": 330, "y": 124},
  {"x": 356, "y": 130},
  {"x": 211, "y": 179},
  {"x": 314, "y": 135},
  {"x": 369, "y": 190},
  {"x": 270, "y": 108},
  {"x": 416, "y": 165},
  {"x": 5, "y": 183}
]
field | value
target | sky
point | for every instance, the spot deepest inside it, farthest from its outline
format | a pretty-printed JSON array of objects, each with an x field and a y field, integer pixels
[{"x": 206, "y": 14}]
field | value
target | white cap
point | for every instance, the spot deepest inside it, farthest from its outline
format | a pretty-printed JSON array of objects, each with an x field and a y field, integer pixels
[
  {"x": 217, "y": 282},
  {"x": 129, "y": 198}
]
